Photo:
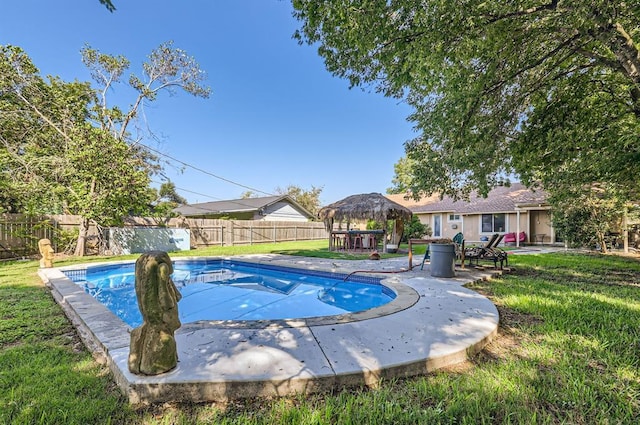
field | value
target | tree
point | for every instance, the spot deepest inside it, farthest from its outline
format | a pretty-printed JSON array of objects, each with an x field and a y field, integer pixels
[
  {"x": 585, "y": 217},
  {"x": 168, "y": 193},
  {"x": 548, "y": 90},
  {"x": 64, "y": 149},
  {"x": 309, "y": 199},
  {"x": 402, "y": 178},
  {"x": 167, "y": 200},
  {"x": 248, "y": 194},
  {"x": 109, "y": 5},
  {"x": 167, "y": 69},
  {"x": 56, "y": 161},
  {"x": 415, "y": 229}
]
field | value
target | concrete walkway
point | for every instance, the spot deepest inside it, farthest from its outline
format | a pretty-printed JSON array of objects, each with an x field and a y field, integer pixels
[{"x": 431, "y": 324}]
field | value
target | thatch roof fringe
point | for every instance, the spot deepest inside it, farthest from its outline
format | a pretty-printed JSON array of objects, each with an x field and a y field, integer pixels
[{"x": 366, "y": 206}]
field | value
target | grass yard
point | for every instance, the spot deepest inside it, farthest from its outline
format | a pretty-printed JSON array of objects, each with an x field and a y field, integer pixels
[{"x": 568, "y": 351}]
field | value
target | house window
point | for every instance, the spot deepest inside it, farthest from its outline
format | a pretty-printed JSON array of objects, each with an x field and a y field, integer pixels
[
  {"x": 454, "y": 217},
  {"x": 494, "y": 223}
]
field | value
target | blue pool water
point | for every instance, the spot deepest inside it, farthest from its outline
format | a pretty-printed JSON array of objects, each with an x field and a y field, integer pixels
[{"x": 235, "y": 290}]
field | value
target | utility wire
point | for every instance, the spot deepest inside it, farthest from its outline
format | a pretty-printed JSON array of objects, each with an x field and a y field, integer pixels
[
  {"x": 236, "y": 202},
  {"x": 218, "y": 177},
  {"x": 189, "y": 191},
  {"x": 206, "y": 172}
]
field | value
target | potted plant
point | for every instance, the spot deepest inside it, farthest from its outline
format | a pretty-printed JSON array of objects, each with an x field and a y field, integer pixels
[{"x": 442, "y": 254}]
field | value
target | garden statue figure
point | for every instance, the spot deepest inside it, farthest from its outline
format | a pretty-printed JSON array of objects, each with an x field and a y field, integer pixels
[
  {"x": 44, "y": 245},
  {"x": 153, "y": 347}
]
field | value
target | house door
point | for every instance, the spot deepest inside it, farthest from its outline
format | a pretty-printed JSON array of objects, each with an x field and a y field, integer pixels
[{"x": 437, "y": 225}]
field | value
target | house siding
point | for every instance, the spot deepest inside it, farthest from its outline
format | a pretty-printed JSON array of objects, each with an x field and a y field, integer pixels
[
  {"x": 472, "y": 228},
  {"x": 471, "y": 224},
  {"x": 281, "y": 211},
  {"x": 525, "y": 211}
]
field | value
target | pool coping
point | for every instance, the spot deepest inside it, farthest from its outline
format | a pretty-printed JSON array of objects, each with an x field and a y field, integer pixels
[{"x": 440, "y": 323}]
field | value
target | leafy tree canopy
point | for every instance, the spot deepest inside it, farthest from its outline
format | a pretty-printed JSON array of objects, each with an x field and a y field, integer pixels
[
  {"x": 167, "y": 199},
  {"x": 402, "y": 177},
  {"x": 64, "y": 149},
  {"x": 585, "y": 216},
  {"x": 545, "y": 89},
  {"x": 109, "y": 5},
  {"x": 309, "y": 199}
]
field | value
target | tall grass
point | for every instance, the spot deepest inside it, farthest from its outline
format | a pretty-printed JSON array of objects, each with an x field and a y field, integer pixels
[{"x": 568, "y": 351}]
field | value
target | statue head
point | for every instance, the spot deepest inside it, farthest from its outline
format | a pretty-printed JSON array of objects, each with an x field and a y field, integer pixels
[
  {"x": 46, "y": 251},
  {"x": 157, "y": 294}
]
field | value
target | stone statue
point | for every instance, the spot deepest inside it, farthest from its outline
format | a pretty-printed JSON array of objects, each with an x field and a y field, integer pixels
[
  {"x": 44, "y": 245},
  {"x": 153, "y": 347}
]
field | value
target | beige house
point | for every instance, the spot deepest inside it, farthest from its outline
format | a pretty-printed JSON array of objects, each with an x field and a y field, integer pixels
[{"x": 512, "y": 209}]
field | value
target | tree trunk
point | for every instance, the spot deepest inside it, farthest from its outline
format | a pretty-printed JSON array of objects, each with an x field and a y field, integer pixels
[
  {"x": 398, "y": 229},
  {"x": 603, "y": 242},
  {"x": 82, "y": 237}
]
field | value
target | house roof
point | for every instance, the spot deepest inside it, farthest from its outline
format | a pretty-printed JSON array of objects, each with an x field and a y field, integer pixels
[
  {"x": 502, "y": 199},
  {"x": 237, "y": 206}
]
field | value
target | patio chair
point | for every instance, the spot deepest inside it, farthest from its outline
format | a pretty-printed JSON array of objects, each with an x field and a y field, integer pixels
[{"x": 458, "y": 239}]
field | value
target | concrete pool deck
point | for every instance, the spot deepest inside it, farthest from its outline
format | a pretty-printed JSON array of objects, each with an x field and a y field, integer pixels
[{"x": 435, "y": 323}]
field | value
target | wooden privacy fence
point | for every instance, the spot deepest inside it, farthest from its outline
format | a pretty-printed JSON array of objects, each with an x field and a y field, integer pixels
[
  {"x": 19, "y": 234},
  {"x": 206, "y": 232}
]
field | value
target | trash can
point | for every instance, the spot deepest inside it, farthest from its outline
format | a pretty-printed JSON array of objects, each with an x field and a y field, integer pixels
[{"x": 442, "y": 259}]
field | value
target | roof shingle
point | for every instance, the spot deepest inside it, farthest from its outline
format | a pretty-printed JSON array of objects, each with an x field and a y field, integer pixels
[{"x": 502, "y": 199}]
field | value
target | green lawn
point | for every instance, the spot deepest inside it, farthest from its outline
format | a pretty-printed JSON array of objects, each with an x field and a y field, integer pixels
[{"x": 568, "y": 352}]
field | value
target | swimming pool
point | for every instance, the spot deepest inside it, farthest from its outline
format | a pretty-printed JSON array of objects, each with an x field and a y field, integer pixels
[
  {"x": 431, "y": 323},
  {"x": 220, "y": 289}
]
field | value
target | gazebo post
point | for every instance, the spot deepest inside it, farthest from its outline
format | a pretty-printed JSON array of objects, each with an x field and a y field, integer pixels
[{"x": 384, "y": 239}]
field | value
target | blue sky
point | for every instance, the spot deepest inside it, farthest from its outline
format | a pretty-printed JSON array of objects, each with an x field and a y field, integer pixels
[{"x": 276, "y": 117}]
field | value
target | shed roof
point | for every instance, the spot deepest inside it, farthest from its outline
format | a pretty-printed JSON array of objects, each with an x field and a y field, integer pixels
[{"x": 237, "y": 206}]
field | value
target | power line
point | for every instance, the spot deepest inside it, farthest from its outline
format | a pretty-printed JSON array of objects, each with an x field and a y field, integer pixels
[
  {"x": 280, "y": 214},
  {"x": 206, "y": 172},
  {"x": 190, "y": 191},
  {"x": 236, "y": 202}
]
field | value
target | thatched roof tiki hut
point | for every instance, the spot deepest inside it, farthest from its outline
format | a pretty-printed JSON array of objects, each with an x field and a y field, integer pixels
[{"x": 366, "y": 206}]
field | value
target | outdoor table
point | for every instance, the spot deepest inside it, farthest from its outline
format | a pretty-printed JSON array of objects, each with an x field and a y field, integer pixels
[
  {"x": 349, "y": 235},
  {"x": 417, "y": 242}
]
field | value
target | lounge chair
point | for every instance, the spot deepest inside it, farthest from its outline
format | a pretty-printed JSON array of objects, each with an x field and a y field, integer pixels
[{"x": 489, "y": 251}]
